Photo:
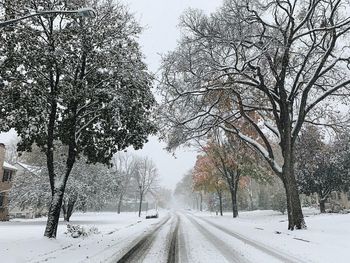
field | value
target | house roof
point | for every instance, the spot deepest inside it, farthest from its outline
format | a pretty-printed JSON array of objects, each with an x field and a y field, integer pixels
[
  {"x": 9, "y": 166},
  {"x": 32, "y": 169}
]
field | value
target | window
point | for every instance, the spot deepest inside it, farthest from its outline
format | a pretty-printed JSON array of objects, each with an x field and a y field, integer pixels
[
  {"x": 2, "y": 196},
  {"x": 7, "y": 177}
]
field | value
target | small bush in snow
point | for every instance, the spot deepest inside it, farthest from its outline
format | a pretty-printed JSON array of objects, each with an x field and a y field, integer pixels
[
  {"x": 93, "y": 230},
  {"x": 79, "y": 231},
  {"x": 279, "y": 202}
]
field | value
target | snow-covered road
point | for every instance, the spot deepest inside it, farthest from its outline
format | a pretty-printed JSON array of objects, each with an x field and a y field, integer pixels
[
  {"x": 151, "y": 246},
  {"x": 231, "y": 246},
  {"x": 181, "y": 237}
]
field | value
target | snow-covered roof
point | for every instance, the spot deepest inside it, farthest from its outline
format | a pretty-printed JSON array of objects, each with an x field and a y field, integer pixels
[
  {"x": 30, "y": 168},
  {"x": 9, "y": 166}
]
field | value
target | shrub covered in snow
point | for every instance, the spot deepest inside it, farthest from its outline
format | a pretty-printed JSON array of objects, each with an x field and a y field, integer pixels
[
  {"x": 279, "y": 202},
  {"x": 80, "y": 231}
]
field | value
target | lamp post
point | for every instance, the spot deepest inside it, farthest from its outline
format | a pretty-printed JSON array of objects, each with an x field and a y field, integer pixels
[{"x": 82, "y": 12}]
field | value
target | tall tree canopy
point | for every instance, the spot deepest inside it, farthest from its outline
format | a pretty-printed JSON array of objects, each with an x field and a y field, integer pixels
[
  {"x": 272, "y": 64},
  {"x": 78, "y": 81}
]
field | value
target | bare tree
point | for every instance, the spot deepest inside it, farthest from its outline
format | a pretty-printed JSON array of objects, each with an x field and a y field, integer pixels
[
  {"x": 123, "y": 164},
  {"x": 145, "y": 174},
  {"x": 90, "y": 186},
  {"x": 225, "y": 157},
  {"x": 273, "y": 65}
]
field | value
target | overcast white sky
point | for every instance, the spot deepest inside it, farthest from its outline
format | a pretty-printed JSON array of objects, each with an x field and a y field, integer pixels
[{"x": 160, "y": 19}]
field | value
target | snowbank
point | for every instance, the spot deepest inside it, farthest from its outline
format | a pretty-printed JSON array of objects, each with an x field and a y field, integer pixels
[
  {"x": 21, "y": 240},
  {"x": 326, "y": 239}
]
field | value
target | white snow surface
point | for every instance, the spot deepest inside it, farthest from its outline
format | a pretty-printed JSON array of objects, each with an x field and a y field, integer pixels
[
  {"x": 22, "y": 240},
  {"x": 326, "y": 238},
  {"x": 33, "y": 169},
  {"x": 9, "y": 166},
  {"x": 202, "y": 237}
]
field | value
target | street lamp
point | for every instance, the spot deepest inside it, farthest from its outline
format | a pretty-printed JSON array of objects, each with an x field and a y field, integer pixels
[{"x": 82, "y": 12}]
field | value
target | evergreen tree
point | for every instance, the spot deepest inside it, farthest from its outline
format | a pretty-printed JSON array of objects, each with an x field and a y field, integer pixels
[{"x": 321, "y": 168}]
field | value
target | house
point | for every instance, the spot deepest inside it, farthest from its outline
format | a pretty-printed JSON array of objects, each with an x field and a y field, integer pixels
[
  {"x": 32, "y": 211},
  {"x": 7, "y": 172}
]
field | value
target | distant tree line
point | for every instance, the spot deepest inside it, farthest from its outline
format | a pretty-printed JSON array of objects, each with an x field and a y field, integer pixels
[
  {"x": 322, "y": 168},
  {"x": 92, "y": 187}
]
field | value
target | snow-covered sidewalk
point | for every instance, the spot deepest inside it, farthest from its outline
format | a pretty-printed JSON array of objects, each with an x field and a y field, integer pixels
[
  {"x": 21, "y": 240},
  {"x": 326, "y": 239}
]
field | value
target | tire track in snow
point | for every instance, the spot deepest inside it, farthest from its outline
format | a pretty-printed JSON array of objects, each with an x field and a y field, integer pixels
[
  {"x": 173, "y": 248},
  {"x": 259, "y": 246},
  {"x": 139, "y": 250},
  {"x": 227, "y": 252}
]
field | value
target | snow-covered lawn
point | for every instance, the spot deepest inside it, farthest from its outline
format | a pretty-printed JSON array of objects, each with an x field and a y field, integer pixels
[
  {"x": 21, "y": 240},
  {"x": 327, "y": 238}
]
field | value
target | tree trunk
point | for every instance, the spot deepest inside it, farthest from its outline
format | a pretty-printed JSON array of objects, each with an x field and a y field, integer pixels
[
  {"x": 140, "y": 205},
  {"x": 250, "y": 194},
  {"x": 200, "y": 201},
  {"x": 64, "y": 211},
  {"x": 54, "y": 213},
  {"x": 322, "y": 205},
  {"x": 57, "y": 197},
  {"x": 251, "y": 205},
  {"x": 70, "y": 209},
  {"x": 317, "y": 198},
  {"x": 232, "y": 179},
  {"x": 344, "y": 199},
  {"x": 295, "y": 214},
  {"x": 120, "y": 202},
  {"x": 233, "y": 193},
  {"x": 220, "y": 202}
]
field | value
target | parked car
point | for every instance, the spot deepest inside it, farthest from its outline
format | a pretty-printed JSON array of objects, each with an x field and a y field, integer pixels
[{"x": 152, "y": 214}]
